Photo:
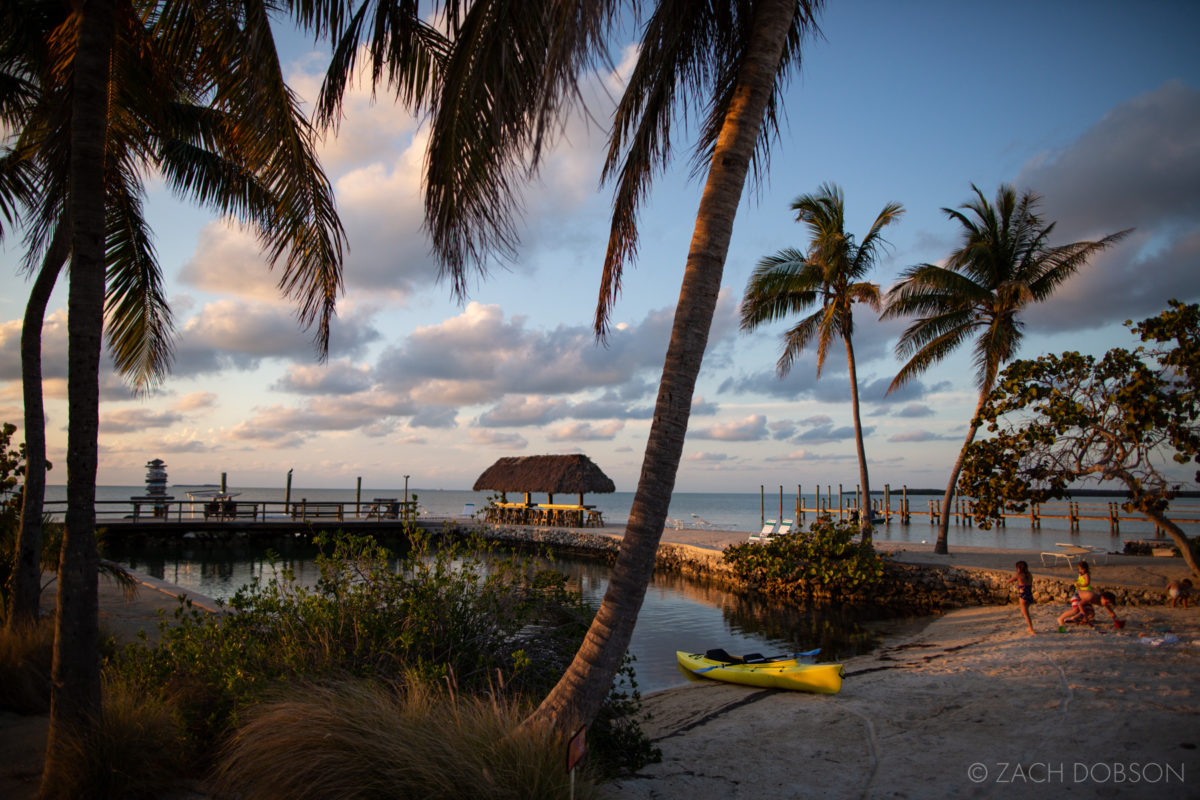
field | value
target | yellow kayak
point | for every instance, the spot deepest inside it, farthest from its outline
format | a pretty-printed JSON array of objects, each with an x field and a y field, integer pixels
[{"x": 782, "y": 673}]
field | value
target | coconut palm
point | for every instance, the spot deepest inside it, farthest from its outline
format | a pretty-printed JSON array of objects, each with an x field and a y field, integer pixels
[
  {"x": 202, "y": 152},
  {"x": 511, "y": 74},
  {"x": 829, "y": 275},
  {"x": 194, "y": 90},
  {"x": 1004, "y": 263}
]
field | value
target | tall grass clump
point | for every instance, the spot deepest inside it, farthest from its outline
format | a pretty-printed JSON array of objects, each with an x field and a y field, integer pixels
[
  {"x": 823, "y": 563},
  {"x": 137, "y": 750},
  {"x": 25, "y": 655},
  {"x": 368, "y": 740}
]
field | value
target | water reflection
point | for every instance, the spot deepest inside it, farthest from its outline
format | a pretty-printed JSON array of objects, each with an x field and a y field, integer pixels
[{"x": 677, "y": 614}]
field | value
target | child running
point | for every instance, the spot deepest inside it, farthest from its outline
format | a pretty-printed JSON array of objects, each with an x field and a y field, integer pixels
[{"x": 1024, "y": 583}]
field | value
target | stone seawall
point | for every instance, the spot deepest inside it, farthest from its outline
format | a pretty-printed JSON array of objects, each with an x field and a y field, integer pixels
[{"x": 905, "y": 586}]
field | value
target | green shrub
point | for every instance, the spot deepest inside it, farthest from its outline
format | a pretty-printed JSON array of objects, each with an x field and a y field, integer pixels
[
  {"x": 823, "y": 562},
  {"x": 435, "y": 615}
]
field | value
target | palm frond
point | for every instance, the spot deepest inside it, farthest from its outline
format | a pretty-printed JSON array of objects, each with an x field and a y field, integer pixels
[
  {"x": 797, "y": 339},
  {"x": 139, "y": 326},
  {"x": 513, "y": 70},
  {"x": 690, "y": 57}
]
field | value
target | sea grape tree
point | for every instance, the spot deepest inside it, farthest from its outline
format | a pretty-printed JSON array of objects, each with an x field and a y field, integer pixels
[{"x": 1129, "y": 418}]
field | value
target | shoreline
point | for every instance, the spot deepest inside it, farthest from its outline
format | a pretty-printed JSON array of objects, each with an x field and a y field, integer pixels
[{"x": 963, "y": 703}]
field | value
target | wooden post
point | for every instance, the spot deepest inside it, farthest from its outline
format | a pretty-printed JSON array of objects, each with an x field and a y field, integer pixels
[
  {"x": 905, "y": 513},
  {"x": 781, "y": 502},
  {"x": 799, "y": 503},
  {"x": 762, "y": 506},
  {"x": 933, "y": 513},
  {"x": 887, "y": 503},
  {"x": 357, "y": 497},
  {"x": 840, "y": 512}
]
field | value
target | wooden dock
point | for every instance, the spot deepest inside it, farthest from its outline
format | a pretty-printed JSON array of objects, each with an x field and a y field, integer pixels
[
  {"x": 221, "y": 520},
  {"x": 897, "y": 507}
]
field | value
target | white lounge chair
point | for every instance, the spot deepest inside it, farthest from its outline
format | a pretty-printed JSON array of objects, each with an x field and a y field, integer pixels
[
  {"x": 768, "y": 530},
  {"x": 785, "y": 527}
]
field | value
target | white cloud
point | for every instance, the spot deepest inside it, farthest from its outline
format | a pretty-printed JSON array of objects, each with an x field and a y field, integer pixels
[
  {"x": 585, "y": 432},
  {"x": 332, "y": 378},
  {"x": 751, "y": 429},
  {"x": 495, "y": 439},
  {"x": 196, "y": 401}
]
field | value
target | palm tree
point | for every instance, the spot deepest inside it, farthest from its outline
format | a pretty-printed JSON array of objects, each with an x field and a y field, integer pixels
[
  {"x": 196, "y": 91},
  {"x": 830, "y": 273},
  {"x": 1004, "y": 263},
  {"x": 512, "y": 71},
  {"x": 204, "y": 154}
]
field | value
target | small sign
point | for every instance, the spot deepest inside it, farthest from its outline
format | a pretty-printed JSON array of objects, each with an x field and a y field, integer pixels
[{"x": 577, "y": 747}]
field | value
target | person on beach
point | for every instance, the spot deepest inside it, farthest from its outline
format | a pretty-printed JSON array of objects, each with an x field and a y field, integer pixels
[
  {"x": 1083, "y": 611},
  {"x": 1024, "y": 583},
  {"x": 1179, "y": 591},
  {"x": 1080, "y": 613},
  {"x": 1083, "y": 583}
]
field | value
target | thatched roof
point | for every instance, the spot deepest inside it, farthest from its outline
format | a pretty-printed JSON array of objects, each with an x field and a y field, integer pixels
[{"x": 569, "y": 474}]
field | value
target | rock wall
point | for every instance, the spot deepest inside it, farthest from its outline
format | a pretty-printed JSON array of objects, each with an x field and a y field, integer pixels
[{"x": 905, "y": 587}]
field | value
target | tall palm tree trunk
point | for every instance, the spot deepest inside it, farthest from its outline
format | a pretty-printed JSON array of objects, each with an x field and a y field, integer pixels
[
  {"x": 582, "y": 689},
  {"x": 75, "y": 672},
  {"x": 27, "y": 576},
  {"x": 941, "y": 545},
  {"x": 864, "y": 506}
]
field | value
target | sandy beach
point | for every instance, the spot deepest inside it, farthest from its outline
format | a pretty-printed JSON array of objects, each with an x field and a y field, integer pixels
[{"x": 967, "y": 704}]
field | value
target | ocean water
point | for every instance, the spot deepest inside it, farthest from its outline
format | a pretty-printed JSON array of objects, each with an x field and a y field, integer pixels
[{"x": 737, "y": 512}]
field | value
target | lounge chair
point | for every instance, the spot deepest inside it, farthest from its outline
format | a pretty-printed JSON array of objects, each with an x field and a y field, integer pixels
[
  {"x": 768, "y": 530},
  {"x": 785, "y": 527}
]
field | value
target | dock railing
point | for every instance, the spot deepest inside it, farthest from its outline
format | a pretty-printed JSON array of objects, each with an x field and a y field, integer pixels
[
  {"x": 227, "y": 510},
  {"x": 898, "y": 507}
]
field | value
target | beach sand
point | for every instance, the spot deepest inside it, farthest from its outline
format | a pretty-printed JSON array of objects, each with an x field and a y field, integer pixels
[{"x": 968, "y": 705}]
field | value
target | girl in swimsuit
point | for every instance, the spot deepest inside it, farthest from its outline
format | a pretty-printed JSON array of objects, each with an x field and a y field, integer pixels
[{"x": 1024, "y": 583}]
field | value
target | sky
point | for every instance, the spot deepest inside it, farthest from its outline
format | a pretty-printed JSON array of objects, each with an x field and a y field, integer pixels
[{"x": 1093, "y": 105}]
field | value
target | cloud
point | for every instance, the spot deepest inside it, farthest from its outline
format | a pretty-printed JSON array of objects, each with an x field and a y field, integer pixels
[
  {"x": 914, "y": 410},
  {"x": 751, "y": 429},
  {"x": 334, "y": 377},
  {"x": 133, "y": 420},
  {"x": 1137, "y": 167},
  {"x": 585, "y": 432},
  {"x": 500, "y": 441},
  {"x": 922, "y": 436},
  {"x": 370, "y": 411},
  {"x": 828, "y": 433},
  {"x": 524, "y": 410},
  {"x": 479, "y": 357},
  {"x": 709, "y": 458},
  {"x": 196, "y": 401},
  {"x": 228, "y": 260},
  {"x": 434, "y": 417},
  {"x": 232, "y": 334},
  {"x": 808, "y": 455}
]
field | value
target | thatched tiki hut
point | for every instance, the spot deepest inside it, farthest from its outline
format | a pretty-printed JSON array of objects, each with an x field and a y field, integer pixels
[{"x": 569, "y": 474}]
